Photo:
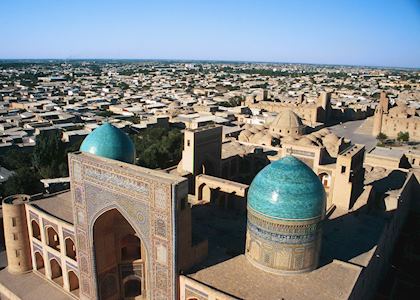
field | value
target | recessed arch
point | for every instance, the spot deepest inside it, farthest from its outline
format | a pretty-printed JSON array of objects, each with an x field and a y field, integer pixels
[
  {"x": 52, "y": 238},
  {"x": 117, "y": 245},
  {"x": 36, "y": 231},
  {"x": 73, "y": 282},
  {"x": 56, "y": 272},
  {"x": 132, "y": 287},
  {"x": 325, "y": 179},
  {"x": 70, "y": 248},
  {"x": 39, "y": 262},
  {"x": 130, "y": 248}
]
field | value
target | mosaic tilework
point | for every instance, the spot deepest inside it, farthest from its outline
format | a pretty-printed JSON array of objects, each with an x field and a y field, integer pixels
[
  {"x": 145, "y": 201},
  {"x": 282, "y": 246}
]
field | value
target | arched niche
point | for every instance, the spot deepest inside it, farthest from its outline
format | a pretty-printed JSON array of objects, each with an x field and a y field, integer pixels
[{"x": 117, "y": 246}]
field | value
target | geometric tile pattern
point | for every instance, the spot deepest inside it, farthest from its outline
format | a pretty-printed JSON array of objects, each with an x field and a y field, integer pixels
[{"x": 145, "y": 200}]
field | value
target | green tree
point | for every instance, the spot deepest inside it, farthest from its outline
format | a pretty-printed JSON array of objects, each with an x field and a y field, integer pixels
[
  {"x": 381, "y": 137},
  {"x": 158, "y": 147},
  {"x": 403, "y": 136},
  {"x": 14, "y": 160},
  {"x": 24, "y": 181},
  {"x": 50, "y": 155}
]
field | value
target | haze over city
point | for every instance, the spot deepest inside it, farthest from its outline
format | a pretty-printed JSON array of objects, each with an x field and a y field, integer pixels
[{"x": 373, "y": 33}]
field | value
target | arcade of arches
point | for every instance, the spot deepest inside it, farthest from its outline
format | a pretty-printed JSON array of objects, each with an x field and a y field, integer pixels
[{"x": 120, "y": 258}]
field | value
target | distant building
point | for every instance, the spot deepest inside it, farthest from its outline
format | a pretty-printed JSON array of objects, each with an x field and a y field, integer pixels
[{"x": 392, "y": 121}]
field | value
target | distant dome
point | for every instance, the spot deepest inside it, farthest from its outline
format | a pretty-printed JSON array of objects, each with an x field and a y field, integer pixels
[
  {"x": 287, "y": 189},
  {"x": 110, "y": 142},
  {"x": 287, "y": 123}
]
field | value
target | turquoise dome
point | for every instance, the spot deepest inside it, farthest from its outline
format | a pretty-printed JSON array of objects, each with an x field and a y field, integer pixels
[
  {"x": 110, "y": 142},
  {"x": 287, "y": 189}
]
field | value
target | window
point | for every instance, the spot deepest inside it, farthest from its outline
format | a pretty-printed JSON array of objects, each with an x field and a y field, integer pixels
[
  {"x": 17, "y": 253},
  {"x": 188, "y": 143},
  {"x": 343, "y": 169},
  {"x": 15, "y": 237},
  {"x": 13, "y": 222}
]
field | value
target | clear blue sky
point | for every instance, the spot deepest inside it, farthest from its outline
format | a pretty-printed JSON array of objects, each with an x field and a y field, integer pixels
[{"x": 368, "y": 32}]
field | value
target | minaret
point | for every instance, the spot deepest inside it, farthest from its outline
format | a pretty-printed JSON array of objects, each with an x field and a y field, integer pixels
[
  {"x": 382, "y": 108},
  {"x": 377, "y": 120}
]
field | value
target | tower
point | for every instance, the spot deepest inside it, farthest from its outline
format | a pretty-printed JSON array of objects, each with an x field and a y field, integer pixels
[
  {"x": 286, "y": 202},
  {"x": 377, "y": 120},
  {"x": 381, "y": 108},
  {"x": 202, "y": 151},
  {"x": 16, "y": 234},
  {"x": 324, "y": 105}
]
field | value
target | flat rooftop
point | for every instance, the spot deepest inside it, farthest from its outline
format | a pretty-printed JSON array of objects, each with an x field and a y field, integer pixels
[
  {"x": 58, "y": 205},
  {"x": 349, "y": 241},
  {"x": 239, "y": 278},
  {"x": 30, "y": 286}
]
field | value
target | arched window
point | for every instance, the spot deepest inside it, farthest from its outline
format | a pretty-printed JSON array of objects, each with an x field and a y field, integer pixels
[
  {"x": 36, "y": 232},
  {"x": 70, "y": 248},
  {"x": 56, "y": 272},
  {"x": 53, "y": 240},
  {"x": 73, "y": 282},
  {"x": 132, "y": 288},
  {"x": 130, "y": 248},
  {"x": 325, "y": 179},
  {"x": 39, "y": 261}
]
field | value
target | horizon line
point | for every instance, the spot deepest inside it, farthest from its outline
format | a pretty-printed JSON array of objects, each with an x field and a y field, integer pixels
[{"x": 211, "y": 61}]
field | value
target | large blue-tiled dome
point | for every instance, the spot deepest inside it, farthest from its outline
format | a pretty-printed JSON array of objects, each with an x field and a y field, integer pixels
[
  {"x": 287, "y": 189},
  {"x": 110, "y": 142}
]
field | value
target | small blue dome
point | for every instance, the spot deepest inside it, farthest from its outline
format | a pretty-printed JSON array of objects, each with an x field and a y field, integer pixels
[
  {"x": 287, "y": 189},
  {"x": 110, "y": 142}
]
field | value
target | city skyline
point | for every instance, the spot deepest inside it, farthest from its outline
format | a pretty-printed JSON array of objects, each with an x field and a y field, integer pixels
[{"x": 357, "y": 33}]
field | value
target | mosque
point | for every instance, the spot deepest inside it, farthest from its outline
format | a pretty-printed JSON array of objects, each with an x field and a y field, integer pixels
[{"x": 193, "y": 232}]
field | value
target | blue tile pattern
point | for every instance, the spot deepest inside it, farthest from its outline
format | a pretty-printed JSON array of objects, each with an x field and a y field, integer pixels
[
  {"x": 287, "y": 189},
  {"x": 110, "y": 142}
]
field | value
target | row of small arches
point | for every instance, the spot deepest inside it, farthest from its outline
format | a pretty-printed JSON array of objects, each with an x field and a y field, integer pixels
[
  {"x": 53, "y": 241},
  {"x": 57, "y": 273}
]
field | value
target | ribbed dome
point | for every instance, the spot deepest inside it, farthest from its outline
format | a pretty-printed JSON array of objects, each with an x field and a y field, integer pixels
[
  {"x": 110, "y": 142},
  {"x": 287, "y": 123},
  {"x": 287, "y": 189}
]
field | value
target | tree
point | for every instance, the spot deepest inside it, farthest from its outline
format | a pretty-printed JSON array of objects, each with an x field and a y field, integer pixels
[
  {"x": 50, "y": 156},
  {"x": 158, "y": 147},
  {"x": 403, "y": 136},
  {"x": 381, "y": 137},
  {"x": 24, "y": 181}
]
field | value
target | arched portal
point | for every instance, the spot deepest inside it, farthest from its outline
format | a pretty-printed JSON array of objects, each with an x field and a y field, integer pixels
[
  {"x": 119, "y": 254},
  {"x": 36, "y": 232},
  {"x": 53, "y": 240},
  {"x": 39, "y": 263}
]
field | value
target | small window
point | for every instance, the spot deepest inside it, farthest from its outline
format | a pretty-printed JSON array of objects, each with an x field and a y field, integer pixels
[
  {"x": 17, "y": 253},
  {"x": 343, "y": 169},
  {"x": 188, "y": 143},
  {"x": 13, "y": 222},
  {"x": 15, "y": 236}
]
